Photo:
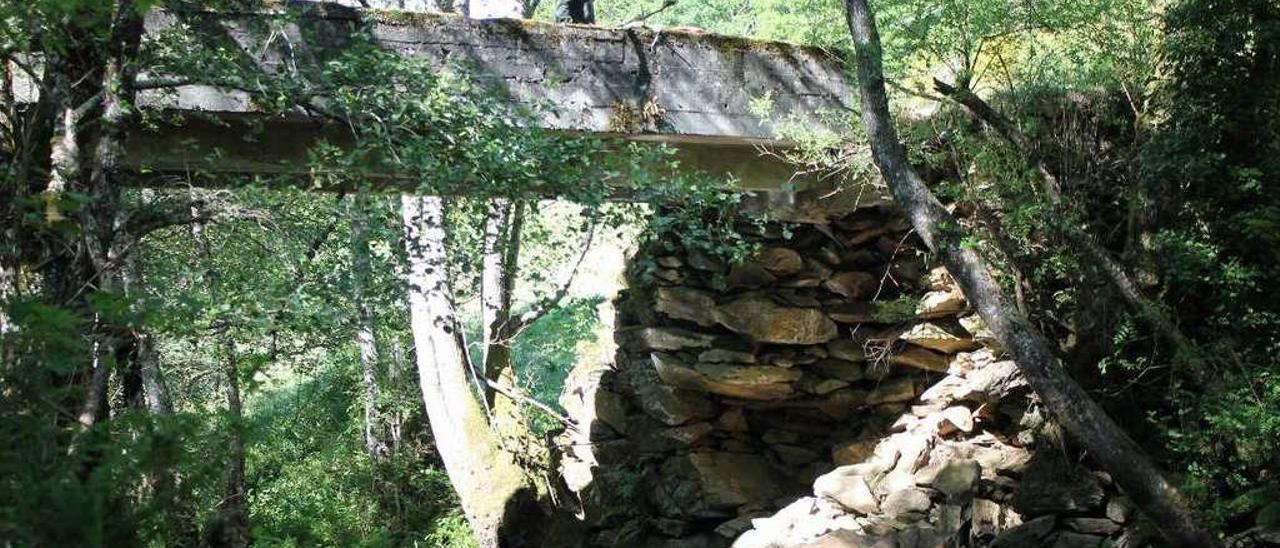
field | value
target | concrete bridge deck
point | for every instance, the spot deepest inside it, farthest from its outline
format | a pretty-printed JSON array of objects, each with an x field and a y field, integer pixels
[{"x": 717, "y": 99}]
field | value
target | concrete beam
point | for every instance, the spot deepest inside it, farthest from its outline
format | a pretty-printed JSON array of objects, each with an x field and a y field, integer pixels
[
  {"x": 709, "y": 91},
  {"x": 600, "y": 78}
]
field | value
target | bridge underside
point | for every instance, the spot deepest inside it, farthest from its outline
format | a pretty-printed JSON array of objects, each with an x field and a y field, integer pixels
[{"x": 232, "y": 146}]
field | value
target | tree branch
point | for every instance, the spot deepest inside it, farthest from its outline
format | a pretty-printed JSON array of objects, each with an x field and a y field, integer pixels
[
  {"x": 514, "y": 395},
  {"x": 1186, "y": 354},
  {"x": 547, "y": 305},
  {"x": 637, "y": 20}
]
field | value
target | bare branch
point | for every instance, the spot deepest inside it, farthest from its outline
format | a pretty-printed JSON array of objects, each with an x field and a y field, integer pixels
[
  {"x": 547, "y": 305},
  {"x": 511, "y": 393}
]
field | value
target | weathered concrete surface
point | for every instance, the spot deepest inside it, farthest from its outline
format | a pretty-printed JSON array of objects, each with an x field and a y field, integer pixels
[
  {"x": 702, "y": 84},
  {"x": 699, "y": 91}
]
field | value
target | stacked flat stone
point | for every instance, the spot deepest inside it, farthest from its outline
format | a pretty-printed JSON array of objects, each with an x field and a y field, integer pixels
[
  {"x": 831, "y": 391},
  {"x": 733, "y": 384}
]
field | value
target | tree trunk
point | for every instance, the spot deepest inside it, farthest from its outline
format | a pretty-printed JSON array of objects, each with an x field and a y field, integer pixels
[
  {"x": 11, "y": 190},
  {"x": 100, "y": 216},
  {"x": 500, "y": 248},
  {"x": 502, "y": 230},
  {"x": 94, "y": 406},
  {"x": 166, "y": 485},
  {"x": 155, "y": 391},
  {"x": 8, "y": 278},
  {"x": 366, "y": 338},
  {"x": 491, "y": 487},
  {"x": 229, "y": 527},
  {"x": 395, "y": 423},
  {"x": 1063, "y": 397}
]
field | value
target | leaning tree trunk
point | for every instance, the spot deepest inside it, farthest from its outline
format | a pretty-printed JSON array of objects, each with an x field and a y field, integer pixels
[
  {"x": 491, "y": 487},
  {"x": 1082, "y": 417}
]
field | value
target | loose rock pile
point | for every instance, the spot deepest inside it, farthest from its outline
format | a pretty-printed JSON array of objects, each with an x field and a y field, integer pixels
[
  {"x": 831, "y": 392},
  {"x": 969, "y": 464}
]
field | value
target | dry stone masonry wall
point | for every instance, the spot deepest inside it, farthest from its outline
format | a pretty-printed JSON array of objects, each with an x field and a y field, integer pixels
[{"x": 834, "y": 391}]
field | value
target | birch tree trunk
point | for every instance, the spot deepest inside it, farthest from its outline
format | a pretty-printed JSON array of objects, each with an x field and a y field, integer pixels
[
  {"x": 491, "y": 487},
  {"x": 366, "y": 338},
  {"x": 155, "y": 391},
  {"x": 1109, "y": 445},
  {"x": 501, "y": 248},
  {"x": 395, "y": 423},
  {"x": 8, "y": 280},
  {"x": 231, "y": 525}
]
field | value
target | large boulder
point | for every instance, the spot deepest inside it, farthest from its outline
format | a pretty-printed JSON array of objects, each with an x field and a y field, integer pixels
[
  {"x": 765, "y": 321},
  {"x": 903, "y": 502},
  {"x": 853, "y": 285},
  {"x": 955, "y": 478},
  {"x": 749, "y": 275},
  {"x": 846, "y": 487},
  {"x": 948, "y": 339},
  {"x": 852, "y": 312},
  {"x": 781, "y": 261},
  {"x": 670, "y": 405},
  {"x": 892, "y": 391},
  {"x": 839, "y": 369},
  {"x": 846, "y": 349},
  {"x": 801, "y": 523},
  {"x": 920, "y": 358},
  {"x": 722, "y": 355},
  {"x": 941, "y": 304},
  {"x": 997, "y": 457}
]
